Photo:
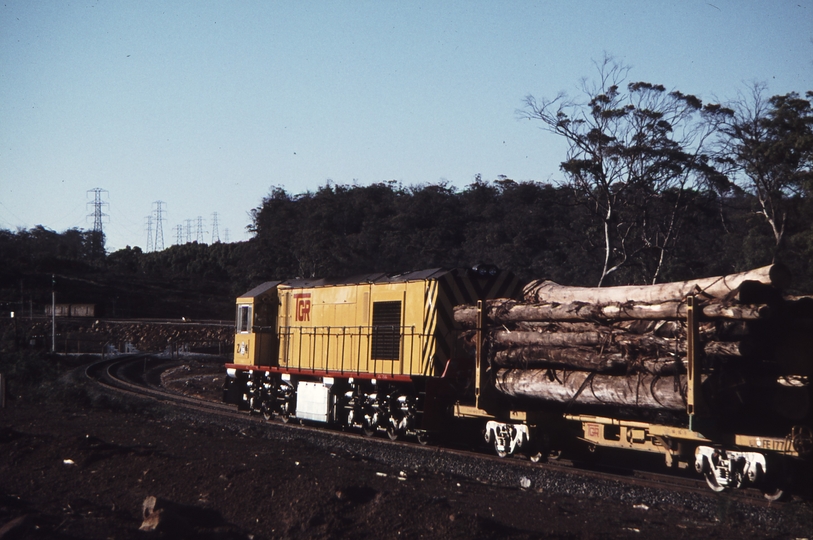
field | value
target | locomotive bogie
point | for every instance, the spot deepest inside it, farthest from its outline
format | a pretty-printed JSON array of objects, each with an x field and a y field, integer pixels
[{"x": 366, "y": 404}]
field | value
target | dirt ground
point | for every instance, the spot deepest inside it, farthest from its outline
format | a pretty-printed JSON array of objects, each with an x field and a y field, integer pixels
[{"x": 78, "y": 463}]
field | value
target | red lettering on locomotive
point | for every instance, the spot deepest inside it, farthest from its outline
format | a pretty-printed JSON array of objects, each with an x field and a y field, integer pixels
[{"x": 303, "y": 307}]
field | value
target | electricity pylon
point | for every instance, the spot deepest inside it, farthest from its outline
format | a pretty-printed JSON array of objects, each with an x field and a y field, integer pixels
[
  {"x": 97, "y": 241},
  {"x": 159, "y": 229},
  {"x": 149, "y": 234},
  {"x": 215, "y": 234}
]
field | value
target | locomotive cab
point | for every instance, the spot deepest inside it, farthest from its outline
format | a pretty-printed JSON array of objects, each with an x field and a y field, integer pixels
[
  {"x": 254, "y": 335},
  {"x": 255, "y": 324}
]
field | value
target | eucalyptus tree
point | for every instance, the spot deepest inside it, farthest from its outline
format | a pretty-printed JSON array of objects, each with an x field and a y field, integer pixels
[
  {"x": 628, "y": 145},
  {"x": 767, "y": 147}
]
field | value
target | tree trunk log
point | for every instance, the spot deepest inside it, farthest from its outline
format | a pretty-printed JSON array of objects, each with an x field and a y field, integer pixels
[
  {"x": 627, "y": 344},
  {"x": 553, "y": 339},
  {"x": 502, "y": 311},
  {"x": 580, "y": 360},
  {"x": 629, "y": 348},
  {"x": 645, "y": 391},
  {"x": 544, "y": 291}
]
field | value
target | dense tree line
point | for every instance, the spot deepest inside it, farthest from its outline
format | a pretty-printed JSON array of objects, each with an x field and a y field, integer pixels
[
  {"x": 534, "y": 229},
  {"x": 657, "y": 186}
]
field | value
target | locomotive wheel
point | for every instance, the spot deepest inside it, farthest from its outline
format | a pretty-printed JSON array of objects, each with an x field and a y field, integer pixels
[
  {"x": 535, "y": 457},
  {"x": 367, "y": 429},
  {"x": 392, "y": 433},
  {"x": 266, "y": 412},
  {"x": 285, "y": 417},
  {"x": 554, "y": 455}
]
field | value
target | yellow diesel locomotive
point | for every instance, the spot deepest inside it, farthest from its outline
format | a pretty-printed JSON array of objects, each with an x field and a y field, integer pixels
[{"x": 376, "y": 351}]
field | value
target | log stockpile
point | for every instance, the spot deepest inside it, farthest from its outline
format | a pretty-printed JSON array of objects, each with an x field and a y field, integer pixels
[{"x": 627, "y": 346}]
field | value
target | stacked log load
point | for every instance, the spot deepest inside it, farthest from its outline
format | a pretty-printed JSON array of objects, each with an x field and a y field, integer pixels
[{"x": 626, "y": 347}]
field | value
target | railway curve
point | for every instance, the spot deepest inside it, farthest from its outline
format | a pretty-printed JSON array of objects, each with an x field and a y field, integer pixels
[{"x": 139, "y": 375}]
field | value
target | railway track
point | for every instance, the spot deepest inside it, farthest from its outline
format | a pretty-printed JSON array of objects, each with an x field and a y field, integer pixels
[{"x": 139, "y": 375}]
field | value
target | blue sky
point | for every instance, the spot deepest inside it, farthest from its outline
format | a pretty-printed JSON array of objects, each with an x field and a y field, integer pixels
[{"x": 207, "y": 105}]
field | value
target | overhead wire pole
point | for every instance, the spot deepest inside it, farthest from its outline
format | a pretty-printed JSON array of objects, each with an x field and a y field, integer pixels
[
  {"x": 53, "y": 313},
  {"x": 188, "y": 231},
  {"x": 178, "y": 235},
  {"x": 159, "y": 229}
]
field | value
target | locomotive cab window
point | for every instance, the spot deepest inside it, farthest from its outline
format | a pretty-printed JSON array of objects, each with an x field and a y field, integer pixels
[
  {"x": 244, "y": 318},
  {"x": 386, "y": 342},
  {"x": 263, "y": 315}
]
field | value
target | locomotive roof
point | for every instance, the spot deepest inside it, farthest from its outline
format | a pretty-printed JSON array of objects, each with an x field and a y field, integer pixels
[
  {"x": 380, "y": 277},
  {"x": 260, "y": 289},
  {"x": 417, "y": 275}
]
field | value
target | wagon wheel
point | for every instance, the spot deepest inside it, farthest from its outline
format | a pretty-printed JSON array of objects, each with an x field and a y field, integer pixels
[
  {"x": 712, "y": 482},
  {"x": 500, "y": 453},
  {"x": 776, "y": 486},
  {"x": 423, "y": 438},
  {"x": 774, "y": 494}
]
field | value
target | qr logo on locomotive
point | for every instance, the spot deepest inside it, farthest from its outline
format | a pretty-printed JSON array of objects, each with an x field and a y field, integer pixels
[{"x": 303, "y": 307}]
